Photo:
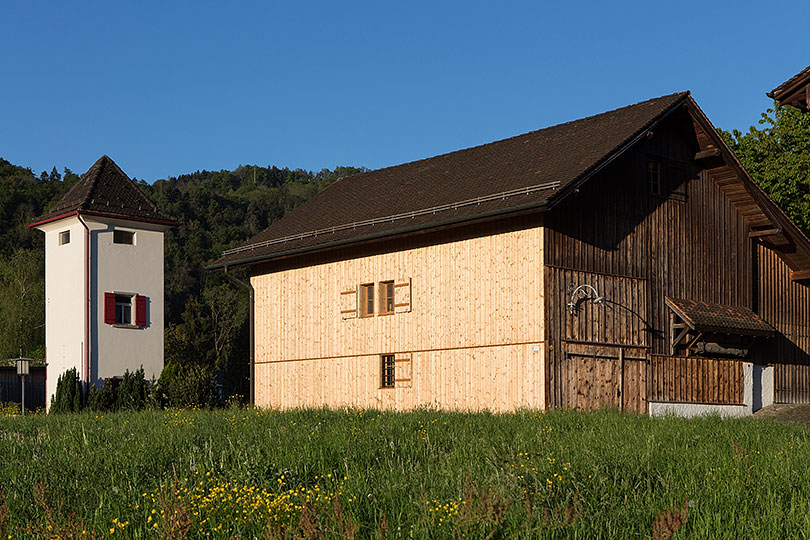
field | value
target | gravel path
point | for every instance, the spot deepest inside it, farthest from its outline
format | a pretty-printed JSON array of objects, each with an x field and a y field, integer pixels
[{"x": 795, "y": 414}]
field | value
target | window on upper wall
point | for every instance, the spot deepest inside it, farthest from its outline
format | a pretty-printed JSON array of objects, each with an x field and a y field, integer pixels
[
  {"x": 123, "y": 237},
  {"x": 387, "y": 368},
  {"x": 654, "y": 177},
  {"x": 367, "y": 300},
  {"x": 386, "y": 297},
  {"x": 64, "y": 238}
]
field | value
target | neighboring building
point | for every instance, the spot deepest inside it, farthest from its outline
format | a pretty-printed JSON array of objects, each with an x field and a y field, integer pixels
[
  {"x": 794, "y": 91},
  {"x": 625, "y": 259},
  {"x": 103, "y": 278}
]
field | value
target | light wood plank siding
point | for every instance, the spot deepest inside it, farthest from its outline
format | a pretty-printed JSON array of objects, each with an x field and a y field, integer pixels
[{"x": 474, "y": 334}]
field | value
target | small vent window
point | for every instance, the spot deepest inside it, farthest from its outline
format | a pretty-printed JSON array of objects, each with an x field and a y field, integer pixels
[
  {"x": 123, "y": 237},
  {"x": 64, "y": 238},
  {"x": 654, "y": 176}
]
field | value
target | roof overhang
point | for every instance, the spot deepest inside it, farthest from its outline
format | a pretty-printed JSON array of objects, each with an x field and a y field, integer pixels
[
  {"x": 392, "y": 234},
  {"x": 51, "y": 219},
  {"x": 795, "y": 91}
]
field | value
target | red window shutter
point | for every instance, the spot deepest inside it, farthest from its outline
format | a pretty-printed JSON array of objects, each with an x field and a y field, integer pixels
[
  {"x": 140, "y": 310},
  {"x": 109, "y": 308}
]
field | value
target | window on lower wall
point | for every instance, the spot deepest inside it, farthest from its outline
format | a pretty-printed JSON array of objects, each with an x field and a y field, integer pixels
[{"x": 387, "y": 369}]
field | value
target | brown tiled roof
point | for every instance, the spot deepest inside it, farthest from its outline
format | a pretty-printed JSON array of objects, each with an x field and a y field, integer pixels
[
  {"x": 801, "y": 78},
  {"x": 106, "y": 189},
  {"x": 525, "y": 171},
  {"x": 718, "y": 318}
]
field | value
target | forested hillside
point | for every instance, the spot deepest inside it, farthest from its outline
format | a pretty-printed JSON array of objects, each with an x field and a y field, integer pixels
[{"x": 206, "y": 315}]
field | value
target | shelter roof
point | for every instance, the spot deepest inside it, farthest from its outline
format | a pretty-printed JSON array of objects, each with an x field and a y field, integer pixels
[{"x": 719, "y": 318}]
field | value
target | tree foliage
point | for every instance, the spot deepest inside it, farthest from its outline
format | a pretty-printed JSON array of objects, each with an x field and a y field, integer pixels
[{"x": 777, "y": 156}]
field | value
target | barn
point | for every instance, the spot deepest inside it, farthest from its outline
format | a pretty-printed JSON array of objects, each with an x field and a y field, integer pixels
[{"x": 622, "y": 260}]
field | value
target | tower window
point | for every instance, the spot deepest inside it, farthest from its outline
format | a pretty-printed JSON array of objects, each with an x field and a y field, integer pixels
[
  {"x": 123, "y": 309},
  {"x": 123, "y": 237},
  {"x": 64, "y": 238}
]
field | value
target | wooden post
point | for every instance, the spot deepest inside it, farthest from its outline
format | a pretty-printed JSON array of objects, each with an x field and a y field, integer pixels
[{"x": 621, "y": 376}]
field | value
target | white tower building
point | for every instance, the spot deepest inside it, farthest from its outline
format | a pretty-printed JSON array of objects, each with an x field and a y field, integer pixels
[{"x": 103, "y": 279}]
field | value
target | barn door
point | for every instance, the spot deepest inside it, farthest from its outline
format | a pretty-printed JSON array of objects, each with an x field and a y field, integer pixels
[{"x": 608, "y": 377}]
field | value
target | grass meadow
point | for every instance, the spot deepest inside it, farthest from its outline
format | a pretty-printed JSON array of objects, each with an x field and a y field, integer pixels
[{"x": 240, "y": 473}]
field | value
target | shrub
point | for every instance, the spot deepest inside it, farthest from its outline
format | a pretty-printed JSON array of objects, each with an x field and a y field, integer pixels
[
  {"x": 132, "y": 391},
  {"x": 68, "y": 396},
  {"x": 184, "y": 386}
]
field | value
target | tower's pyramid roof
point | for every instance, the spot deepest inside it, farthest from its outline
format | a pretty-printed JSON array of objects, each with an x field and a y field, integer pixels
[{"x": 106, "y": 190}]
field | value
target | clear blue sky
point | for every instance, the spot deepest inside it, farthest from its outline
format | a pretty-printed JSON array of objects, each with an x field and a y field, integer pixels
[{"x": 166, "y": 88}]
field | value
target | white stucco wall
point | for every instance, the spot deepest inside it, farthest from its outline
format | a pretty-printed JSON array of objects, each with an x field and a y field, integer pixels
[
  {"x": 131, "y": 269},
  {"x": 64, "y": 301},
  {"x": 114, "y": 268}
]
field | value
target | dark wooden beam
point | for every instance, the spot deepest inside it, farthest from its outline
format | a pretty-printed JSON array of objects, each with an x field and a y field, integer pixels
[
  {"x": 708, "y": 153},
  {"x": 798, "y": 275},
  {"x": 765, "y": 232}
]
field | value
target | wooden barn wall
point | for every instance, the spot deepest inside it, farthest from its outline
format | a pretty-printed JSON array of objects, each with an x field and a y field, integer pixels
[
  {"x": 785, "y": 304},
  {"x": 696, "y": 379},
  {"x": 472, "y": 340},
  {"x": 688, "y": 242}
]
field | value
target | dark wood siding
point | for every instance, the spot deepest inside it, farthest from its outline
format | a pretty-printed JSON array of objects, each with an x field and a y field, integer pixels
[
  {"x": 11, "y": 389},
  {"x": 785, "y": 304},
  {"x": 696, "y": 380},
  {"x": 688, "y": 243}
]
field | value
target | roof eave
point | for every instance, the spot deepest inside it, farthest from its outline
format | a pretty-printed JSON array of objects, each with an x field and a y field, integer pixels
[
  {"x": 541, "y": 205},
  {"x": 167, "y": 223}
]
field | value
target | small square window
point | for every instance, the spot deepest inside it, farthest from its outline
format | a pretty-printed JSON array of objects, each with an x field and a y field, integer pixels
[
  {"x": 367, "y": 300},
  {"x": 123, "y": 237},
  {"x": 386, "y": 297},
  {"x": 387, "y": 371},
  {"x": 654, "y": 177},
  {"x": 123, "y": 309},
  {"x": 64, "y": 238}
]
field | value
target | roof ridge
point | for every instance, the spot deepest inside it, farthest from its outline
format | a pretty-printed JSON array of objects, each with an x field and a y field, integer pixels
[{"x": 534, "y": 131}]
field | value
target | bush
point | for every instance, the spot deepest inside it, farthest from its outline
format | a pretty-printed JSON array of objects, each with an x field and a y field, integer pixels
[
  {"x": 132, "y": 391},
  {"x": 187, "y": 386},
  {"x": 68, "y": 396}
]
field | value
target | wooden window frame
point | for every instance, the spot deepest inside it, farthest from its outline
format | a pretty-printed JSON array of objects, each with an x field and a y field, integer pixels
[
  {"x": 365, "y": 289},
  {"x": 386, "y": 296},
  {"x": 387, "y": 371}
]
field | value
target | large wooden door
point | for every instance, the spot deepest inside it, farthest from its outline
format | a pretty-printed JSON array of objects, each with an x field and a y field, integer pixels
[{"x": 608, "y": 377}]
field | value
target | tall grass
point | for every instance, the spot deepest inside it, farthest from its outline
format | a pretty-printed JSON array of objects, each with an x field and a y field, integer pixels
[{"x": 425, "y": 474}]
